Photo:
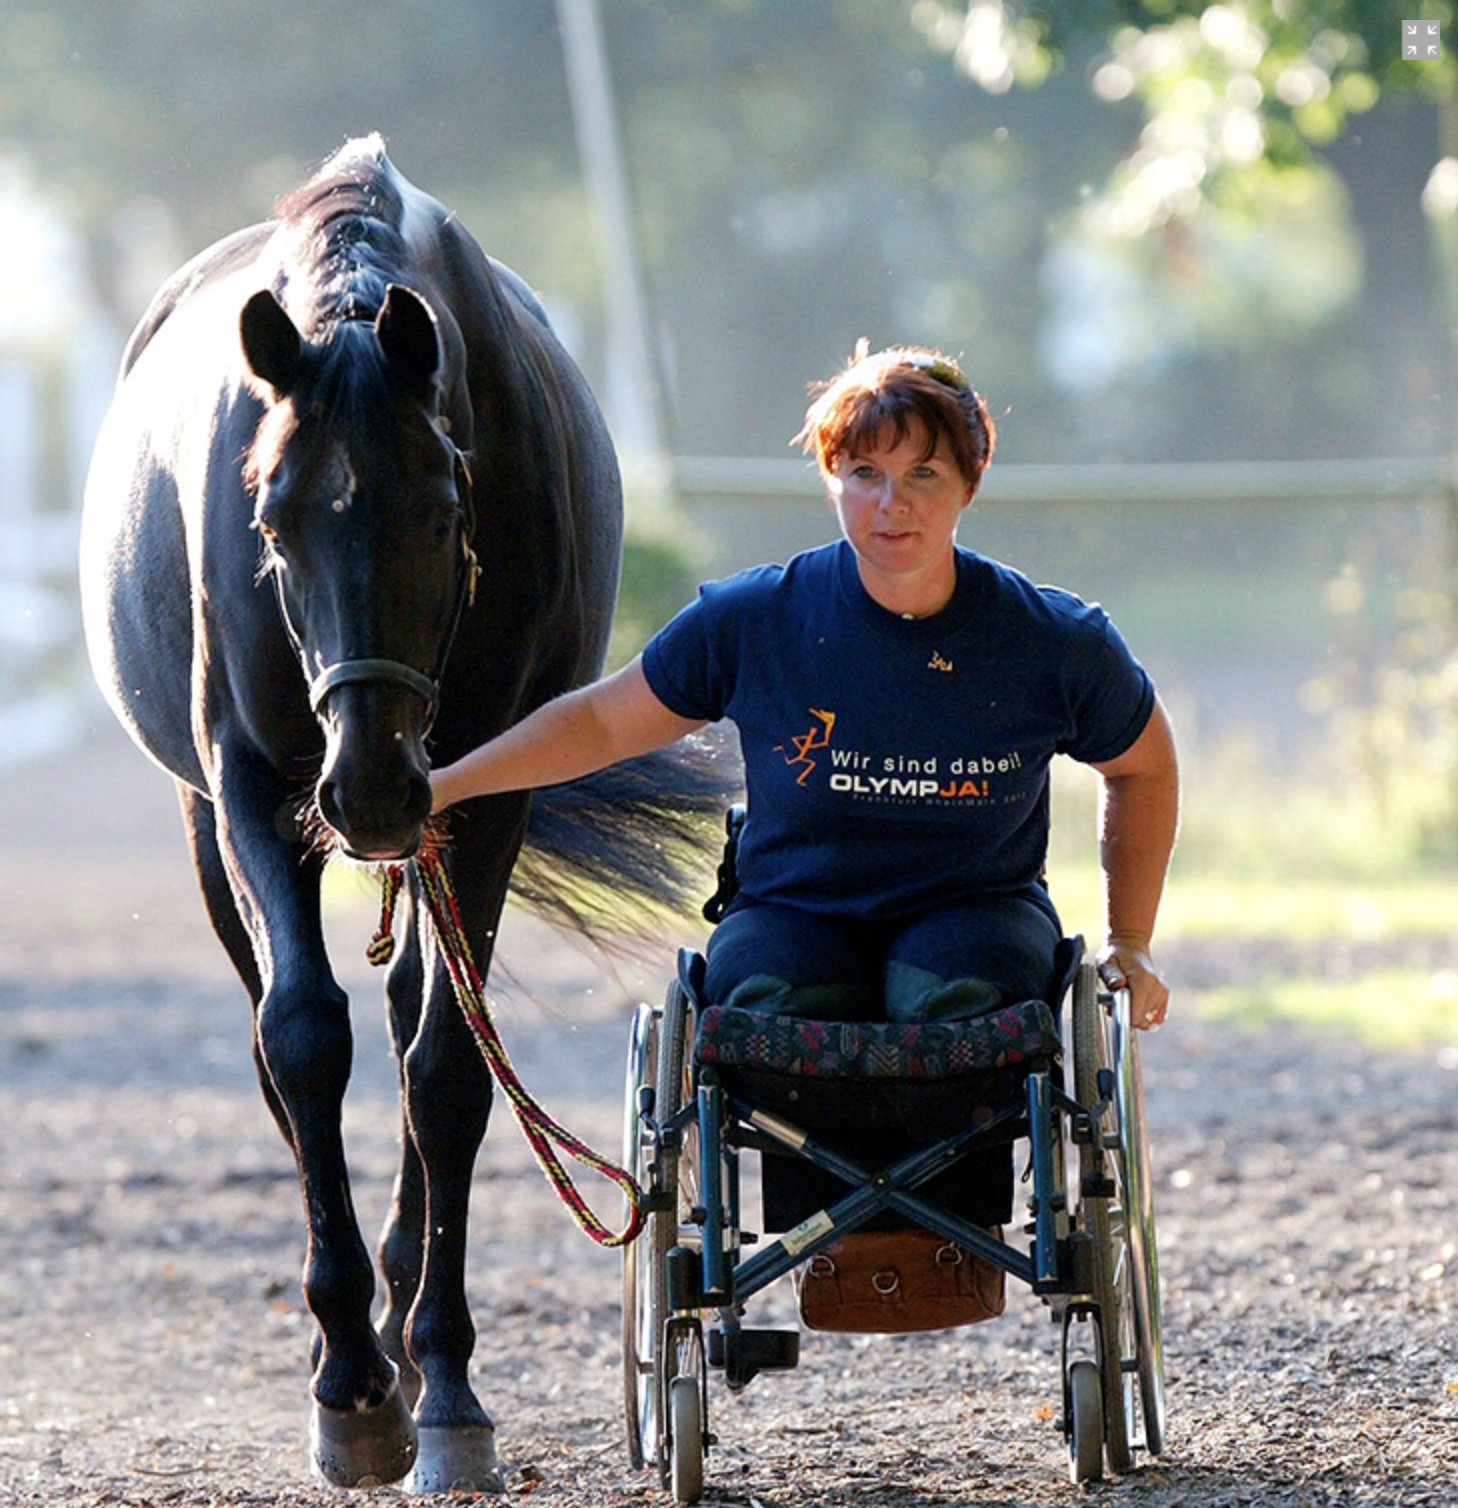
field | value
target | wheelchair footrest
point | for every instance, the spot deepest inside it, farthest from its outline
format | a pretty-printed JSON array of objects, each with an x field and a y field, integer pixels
[{"x": 743, "y": 1354}]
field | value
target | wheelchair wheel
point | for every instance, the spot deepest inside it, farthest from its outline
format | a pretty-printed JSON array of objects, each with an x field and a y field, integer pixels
[
  {"x": 1138, "y": 1197},
  {"x": 1122, "y": 1226},
  {"x": 668, "y": 1176},
  {"x": 640, "y": 1319},
  {"x": 1103, "y": 1217},
  {"x": 679, "y": 1352},
  {"x": 678, "y": 1166}
]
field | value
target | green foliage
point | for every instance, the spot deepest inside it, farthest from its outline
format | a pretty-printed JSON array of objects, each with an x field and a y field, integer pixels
[
  {"x": 662, "y": 568},
  {"x": 1356, "y": 44},
  {"x": 1317, "y": 851},
  {"x": 1227, "y": 221},
  {"x": 1247, "y": 823},
  {"x": 1393, "y": 715}
]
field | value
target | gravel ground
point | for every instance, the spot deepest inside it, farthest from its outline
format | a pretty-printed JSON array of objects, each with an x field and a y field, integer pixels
[{"x": 154, "y": 1348}]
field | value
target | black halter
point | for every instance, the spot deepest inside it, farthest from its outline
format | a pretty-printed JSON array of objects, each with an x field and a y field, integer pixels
[{"x": 373, "y": 669}]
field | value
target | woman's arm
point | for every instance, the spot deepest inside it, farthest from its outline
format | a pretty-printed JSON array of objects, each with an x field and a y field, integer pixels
[
  {"x": 583, "y": 731},
  {"x": 1140, "y": 814}
]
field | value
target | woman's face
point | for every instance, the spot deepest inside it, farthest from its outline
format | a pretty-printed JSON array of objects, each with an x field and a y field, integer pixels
[{"x": 898, "y": 507}]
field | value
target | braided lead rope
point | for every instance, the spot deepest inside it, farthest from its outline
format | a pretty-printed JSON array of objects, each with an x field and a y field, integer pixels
[{"x": 537, "y": 1126}]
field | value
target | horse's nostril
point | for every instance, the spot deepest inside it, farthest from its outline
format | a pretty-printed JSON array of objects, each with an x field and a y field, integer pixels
[
  {"x": 328, "y": 798},
  {"x": 417, "y": 796}
]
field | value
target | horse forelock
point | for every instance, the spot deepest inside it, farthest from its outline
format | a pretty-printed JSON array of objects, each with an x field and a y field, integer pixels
[{"x": 343, "y": 390}]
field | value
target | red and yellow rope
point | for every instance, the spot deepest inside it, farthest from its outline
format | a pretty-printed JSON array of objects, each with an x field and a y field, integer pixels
[{"x": 540, "y": 1130}]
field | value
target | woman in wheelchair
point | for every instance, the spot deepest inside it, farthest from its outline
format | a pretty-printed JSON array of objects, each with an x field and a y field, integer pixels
[{"x": 898, "y": 700}]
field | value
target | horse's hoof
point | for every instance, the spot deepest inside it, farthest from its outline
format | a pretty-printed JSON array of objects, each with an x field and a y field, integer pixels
[
  {"x": 456, "y": 1460},
  {"x": 363, "y": 1447}
]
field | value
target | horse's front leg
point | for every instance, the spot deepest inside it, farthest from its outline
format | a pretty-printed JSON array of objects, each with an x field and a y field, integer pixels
[
  {"x": 448, "y": 1099},
  {"x": 402, "y": 1244},
  {"x": 361, "y": 1431}
]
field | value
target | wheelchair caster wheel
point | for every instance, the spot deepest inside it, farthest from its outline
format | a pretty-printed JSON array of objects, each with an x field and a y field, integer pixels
[
  {"x": 686, "y": 1439},
  {"x": 1084, "y": 1423}
]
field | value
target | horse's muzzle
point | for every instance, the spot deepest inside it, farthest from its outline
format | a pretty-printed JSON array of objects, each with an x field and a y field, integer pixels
[
  {"x": 374, "y": 829},
  {"x": 374, "y": 791}
]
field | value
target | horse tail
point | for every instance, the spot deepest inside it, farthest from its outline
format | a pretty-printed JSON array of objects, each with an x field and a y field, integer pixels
[{"x": 616, "y": 854}]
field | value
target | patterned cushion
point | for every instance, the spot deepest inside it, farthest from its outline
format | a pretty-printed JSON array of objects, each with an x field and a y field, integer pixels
[{"x": 1013, "y": 1037}]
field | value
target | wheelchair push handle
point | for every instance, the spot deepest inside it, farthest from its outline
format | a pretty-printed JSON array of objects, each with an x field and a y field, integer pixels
[{"x": 728, "y": 875}]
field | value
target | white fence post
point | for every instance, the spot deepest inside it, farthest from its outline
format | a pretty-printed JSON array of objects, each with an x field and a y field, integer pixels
[{"x": 51, "y": 402}]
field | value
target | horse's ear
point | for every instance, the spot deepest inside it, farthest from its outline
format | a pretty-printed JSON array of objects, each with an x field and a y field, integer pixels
[
  {"x": 406, "y": 327},
  {"x": 271, "y": 344}
]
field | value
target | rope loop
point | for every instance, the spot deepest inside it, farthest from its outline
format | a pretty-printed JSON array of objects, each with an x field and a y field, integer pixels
[
  {"x": 382, "y": 945},
  {"x": 540, "y": 1130}
]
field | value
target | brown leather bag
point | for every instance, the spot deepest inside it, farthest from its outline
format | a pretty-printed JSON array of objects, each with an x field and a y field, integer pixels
[{"x": 892, "y": 1282}]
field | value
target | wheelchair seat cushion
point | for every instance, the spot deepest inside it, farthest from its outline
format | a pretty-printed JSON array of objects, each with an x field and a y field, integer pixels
[
  {"x": 918, "y": 1080},
  {"x": 1016, "y": 1035}
]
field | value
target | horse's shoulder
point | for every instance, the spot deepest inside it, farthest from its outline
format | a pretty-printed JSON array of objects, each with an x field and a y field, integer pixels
[{"x": 219, "y": 260}]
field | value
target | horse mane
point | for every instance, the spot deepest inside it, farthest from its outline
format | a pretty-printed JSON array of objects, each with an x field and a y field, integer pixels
[
  {"x": 343, "y": 237},
  {"x": 342, "y": 248}
]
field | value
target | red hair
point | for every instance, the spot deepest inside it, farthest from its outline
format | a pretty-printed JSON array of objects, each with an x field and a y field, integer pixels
[{"x": 895, "y": 389}]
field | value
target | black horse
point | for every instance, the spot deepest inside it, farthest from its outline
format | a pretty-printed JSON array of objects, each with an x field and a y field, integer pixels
[{"x": 351, "y": 497}]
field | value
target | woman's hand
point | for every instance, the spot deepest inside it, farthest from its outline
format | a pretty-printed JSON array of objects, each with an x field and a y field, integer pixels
[{"x": 1128, "y": 966}]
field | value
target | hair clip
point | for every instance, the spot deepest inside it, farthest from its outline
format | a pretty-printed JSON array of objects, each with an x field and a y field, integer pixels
[{"x": 941, "y": 370}]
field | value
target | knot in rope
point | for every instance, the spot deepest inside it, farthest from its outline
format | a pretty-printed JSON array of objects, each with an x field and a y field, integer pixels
[
  {"x": 540, "y": 1130},
  {"x": 382, "y": 945}
]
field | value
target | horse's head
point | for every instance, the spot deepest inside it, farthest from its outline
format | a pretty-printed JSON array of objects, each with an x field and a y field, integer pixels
[{"x": 364, "y": 512}]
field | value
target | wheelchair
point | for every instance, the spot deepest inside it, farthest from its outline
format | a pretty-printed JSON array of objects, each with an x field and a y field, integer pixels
[{"x": 706, "y": 1084}]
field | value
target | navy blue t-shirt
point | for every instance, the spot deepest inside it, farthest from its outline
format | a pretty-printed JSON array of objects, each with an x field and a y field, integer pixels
[{"x": 892, "y": 764}]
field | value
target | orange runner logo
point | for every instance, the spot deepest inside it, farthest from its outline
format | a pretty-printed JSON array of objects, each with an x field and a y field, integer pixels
[{"x": 809, "y": 743}]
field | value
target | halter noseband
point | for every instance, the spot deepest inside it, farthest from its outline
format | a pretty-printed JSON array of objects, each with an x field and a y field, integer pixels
[
  {"x": 373, "y": 669},
  {"x": 346, "y": 671}
]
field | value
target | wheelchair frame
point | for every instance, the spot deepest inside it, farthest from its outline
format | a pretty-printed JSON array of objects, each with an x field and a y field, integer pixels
[{"x": 1091, "y": 1255}]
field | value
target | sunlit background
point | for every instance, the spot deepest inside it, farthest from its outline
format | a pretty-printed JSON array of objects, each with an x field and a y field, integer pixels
[{"x": 1202, "y": 260}]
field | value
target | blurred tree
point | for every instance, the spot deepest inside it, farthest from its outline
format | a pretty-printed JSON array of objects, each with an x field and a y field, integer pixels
[{"x": 1251, "y": 114}]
